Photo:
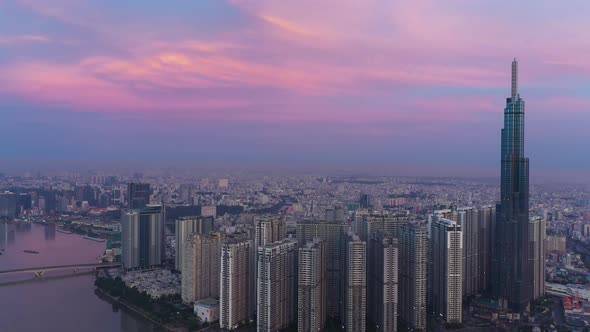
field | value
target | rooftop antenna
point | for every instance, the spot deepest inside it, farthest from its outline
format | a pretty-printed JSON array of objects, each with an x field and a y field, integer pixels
[{"x": 514, "y": 79}]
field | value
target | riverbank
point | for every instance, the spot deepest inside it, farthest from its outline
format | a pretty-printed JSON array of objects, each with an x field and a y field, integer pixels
[
  {"x": 166, "y": 311},
  {"x": 110, "y": 298},
  {"x": 65, "y": 303}
]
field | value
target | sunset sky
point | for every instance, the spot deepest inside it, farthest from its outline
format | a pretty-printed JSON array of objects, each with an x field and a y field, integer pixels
[{"x": 363, "y": 82}]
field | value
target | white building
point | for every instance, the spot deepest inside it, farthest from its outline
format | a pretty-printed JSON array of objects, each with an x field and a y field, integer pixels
[
  {"x": 447, "y": 278},
  {"x": 207, "y": 310}
]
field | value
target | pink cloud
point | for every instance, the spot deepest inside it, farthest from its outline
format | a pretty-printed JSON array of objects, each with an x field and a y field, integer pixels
[
  {"x": 290, "y": 56},
  {"x": 24, "y": 39}
]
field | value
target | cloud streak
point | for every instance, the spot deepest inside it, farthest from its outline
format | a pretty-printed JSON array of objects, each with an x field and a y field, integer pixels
[{"x": 367, "y": 70}]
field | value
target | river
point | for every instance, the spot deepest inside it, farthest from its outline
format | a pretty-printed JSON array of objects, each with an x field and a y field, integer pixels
[{"x": 55, "y": 302}]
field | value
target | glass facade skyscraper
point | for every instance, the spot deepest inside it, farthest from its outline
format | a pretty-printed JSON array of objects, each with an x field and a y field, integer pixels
[{"x": 512, "y": 279}]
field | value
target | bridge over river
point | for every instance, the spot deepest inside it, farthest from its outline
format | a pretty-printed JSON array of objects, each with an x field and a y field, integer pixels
[{"x": 40, "y": 271}]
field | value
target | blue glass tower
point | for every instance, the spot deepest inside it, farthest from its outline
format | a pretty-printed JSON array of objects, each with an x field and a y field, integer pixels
[{"x": 512, "y": 281}]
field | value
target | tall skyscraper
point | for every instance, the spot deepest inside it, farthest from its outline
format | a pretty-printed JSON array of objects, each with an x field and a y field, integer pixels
[
  {"x": 383, "y": 282},
  {"x": 236, "y": 303},
  {"x": 447, "y": 272},
  {"x": 354, "y": 284},
  {"x": 334, "y": 235},
  {"x": 142, "y": 237},
  {"x": 138, "y": 195},
  {"x": 412, "y": 275},
  {"x": 468, "y": 218},
  {"x": 186, "y": 226},
  {"x": 513, "y": 274},
  {"x": 311, "y": 289},
  {"x": 537, "y": 237},
  {"x": 487, "y": 220},
  {"x": 201, "y": 267},
  {"x": 277, "y": 285}
]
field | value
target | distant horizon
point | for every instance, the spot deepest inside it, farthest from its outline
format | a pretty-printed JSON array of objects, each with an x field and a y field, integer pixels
[{"x": 221, "y": 169}]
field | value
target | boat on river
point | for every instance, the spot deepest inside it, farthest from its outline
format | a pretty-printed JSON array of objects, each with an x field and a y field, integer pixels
[{"x": 97, "y": 239}]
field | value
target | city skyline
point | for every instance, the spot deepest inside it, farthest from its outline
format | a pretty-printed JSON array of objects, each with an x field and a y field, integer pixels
[
  {"x": 264, "y": 165},
  {"x": 268, "y": 83}
]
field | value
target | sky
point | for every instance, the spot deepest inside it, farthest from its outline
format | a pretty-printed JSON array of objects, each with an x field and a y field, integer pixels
[{"x": 367, "y": 83}]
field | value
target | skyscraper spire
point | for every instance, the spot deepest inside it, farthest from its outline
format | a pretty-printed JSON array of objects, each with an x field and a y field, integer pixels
[{"x": 514, "y": 79}]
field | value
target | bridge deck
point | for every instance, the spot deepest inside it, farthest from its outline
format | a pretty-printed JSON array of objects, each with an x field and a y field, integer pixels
[{"x": 60, "y": 267}]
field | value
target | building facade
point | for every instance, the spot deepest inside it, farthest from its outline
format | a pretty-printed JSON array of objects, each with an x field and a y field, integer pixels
[
  {"x": 537, "y": 237},
  {"x": 468, "y": 218},
  {"x": 333, "y": 234},
  {"x": 556, "y": 243},
  {"x": 487, "y": 221},
  {"x": 8, "y": 205},
  {"x": 237, "y": 283},
  {"x": 186, "y": 226},
  {"x": 269, "y": 230},
  {"x": 447, "y": 272},
  {"x": 142, "y": 237},
  {"x": 413, "y": 243},
  {"x": 277, "y": 286},
  {"x": 354, "y": 283},
  {"x": 138, "y": 195},
  {"x": 201, "y": 267},
  {"x": 311, "y": 289},
  {"x": 383, "y": 270}
]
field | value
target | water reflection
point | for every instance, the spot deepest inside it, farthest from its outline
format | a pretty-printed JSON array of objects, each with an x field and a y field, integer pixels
[
  {"x": 23, "y": 227},
  {"x": 6, "y": 234},
  {"x": 50, "y": 232}
]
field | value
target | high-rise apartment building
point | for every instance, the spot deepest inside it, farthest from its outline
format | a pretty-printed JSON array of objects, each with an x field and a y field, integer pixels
[
  {"x": 333, "y": 234},
  {"x": 440, "y": 214},
  {"x": 413, "y": 242},
  {"x": 8, "y": 204},
  {"x": 537, "y": 238},
  {"x": 468, "y": 218},
  {"x": 487, "y": 221},
  {"x": 269, "y": 230},
  {"x": 382, "y": 299},
  {"x": 513, "y": 274},
  {"x": 447, "y": 271},
  {"x": 277, "y": 285},
  {"x": 142, "y": 237},
  {"x": 311, "y": 289},
  {"x": 354, "y": 284},
  {"x": 185, "y": 227},
  {"x": 138, "y": 195},
  {"x": 236, "y": 299},
  {"x": 201, "y": 267},
  {"x": 367, "y": 222}
]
